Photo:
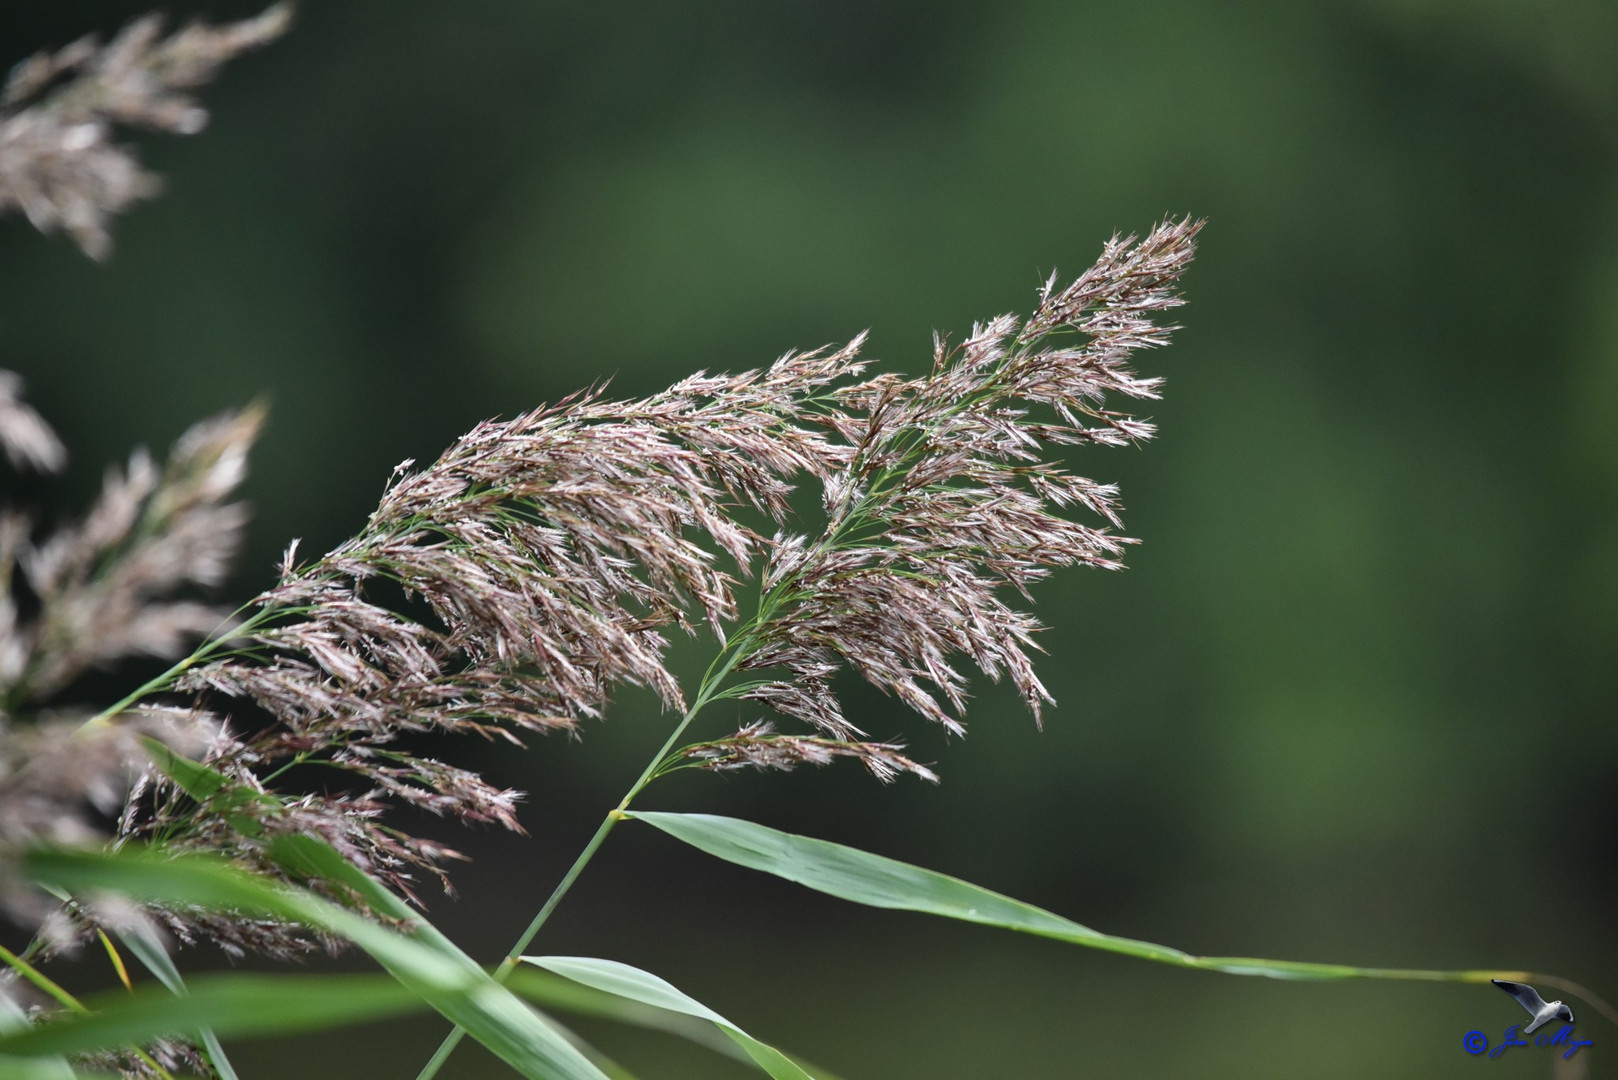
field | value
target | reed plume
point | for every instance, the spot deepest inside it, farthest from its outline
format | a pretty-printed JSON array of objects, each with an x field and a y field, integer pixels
[
  {"x": 506, "y": 588},
  {"x": 541, "y": 560}
]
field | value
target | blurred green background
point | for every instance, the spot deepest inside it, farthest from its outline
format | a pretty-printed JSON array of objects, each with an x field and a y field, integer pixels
[{"x": 1354, "y": 701}]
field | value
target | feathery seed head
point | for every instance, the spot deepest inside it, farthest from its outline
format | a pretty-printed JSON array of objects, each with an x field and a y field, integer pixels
[{"x": 509, "y": 585}]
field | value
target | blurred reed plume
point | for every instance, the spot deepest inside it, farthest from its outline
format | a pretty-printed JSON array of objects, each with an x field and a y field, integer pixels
[
  {"x": 27, "y": 439},
  {"x": 95, "y": 592},
  {"x": 58, "y": 163}
]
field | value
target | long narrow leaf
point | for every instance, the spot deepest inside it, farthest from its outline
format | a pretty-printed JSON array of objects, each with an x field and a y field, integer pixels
[
  {"x": 425, "y": 961},
  {"x": 629, "y": 982},
  {"x": 155, "y": 877},
  {"x": 488, "y": 1012},
  {"x": 192, "y": 777},
  {"x": 878, "y": 881},
  {"x": 232, "y": 1004},
  {"x": 601, "y": 1061},
  {"x": 209, "y": 786}
]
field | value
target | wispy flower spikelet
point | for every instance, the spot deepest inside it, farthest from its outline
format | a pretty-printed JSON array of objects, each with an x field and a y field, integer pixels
[
  {"x": 945, "y": 498},
  {"x": 757, "y": 746}
]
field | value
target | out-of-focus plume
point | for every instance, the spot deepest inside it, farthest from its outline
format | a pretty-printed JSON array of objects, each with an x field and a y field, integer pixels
[
  {"x": 59, "y": 164},
  {"x": 103, "y": 585},
  {"x": 92, "y": 593},
  {"x": 28, "y": 441},
  {"x": 62, "y": 782}
]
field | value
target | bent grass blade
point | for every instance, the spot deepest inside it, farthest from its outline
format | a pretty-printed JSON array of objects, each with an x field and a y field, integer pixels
[
  {"x": 150, "y": 952},
  {"x": 556, "y": 992},
  {"x": 601, "y": 1061},
  {"x": 877, "y": 881},
  {"x": 624, "y": 981}
]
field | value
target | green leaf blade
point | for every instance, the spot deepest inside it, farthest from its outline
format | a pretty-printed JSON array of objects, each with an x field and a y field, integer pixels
[
  {"x": 877, "y": 881},
  {"x": 490, "y": 1012},
  {"x": 192, "y": 777},
  {"x": 232, "y": 1004}
]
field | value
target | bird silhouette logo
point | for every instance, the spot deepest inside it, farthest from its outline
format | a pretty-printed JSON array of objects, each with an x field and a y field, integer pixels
[{"x": 1541, "y": 1010}]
